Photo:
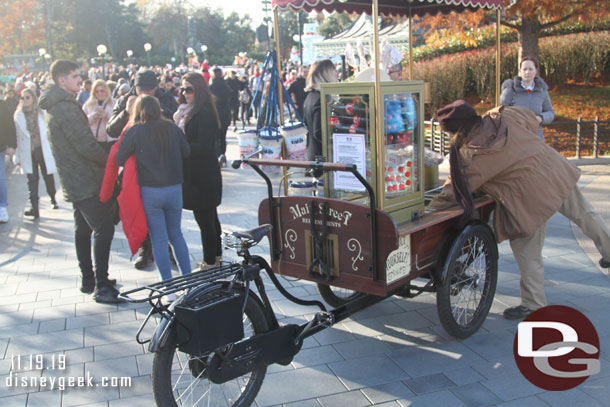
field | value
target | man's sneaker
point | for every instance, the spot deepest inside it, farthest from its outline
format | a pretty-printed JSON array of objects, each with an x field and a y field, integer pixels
[
  {"x": 518, "y": 312},
  {"x": 106, "y": 295},
  {"x": 3, "y": 214},
  {"x": 87, "y": 287},
  {"x": 111, "y": 282},
  {"x": 33, "y": 212},
  {"x": 603, "y": 263}
]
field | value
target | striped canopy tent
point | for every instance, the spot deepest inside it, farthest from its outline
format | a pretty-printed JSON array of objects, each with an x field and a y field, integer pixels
[
  {"x": 386, "y": 7},
  {"x": 396, "y": 33}
]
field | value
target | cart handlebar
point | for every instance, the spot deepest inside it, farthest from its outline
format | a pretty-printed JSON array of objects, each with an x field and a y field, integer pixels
[
  {"x": 316, "y": 165},
  {"x": 325, "y": 166}
]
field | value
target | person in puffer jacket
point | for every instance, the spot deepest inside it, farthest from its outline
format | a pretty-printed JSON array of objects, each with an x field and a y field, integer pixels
[
  {"x": 80, "y": 165},
  {"x": 529, "y": 91}
]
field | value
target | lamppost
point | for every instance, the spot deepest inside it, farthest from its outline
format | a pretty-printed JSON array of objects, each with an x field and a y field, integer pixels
[
  {"x": 129, "y": 55},
  {"x": 204, "y": 48},
  {"x": 147, "y": 48},
  {"x": 101, "y": 50},
  {"x": 42, "y": 52}
]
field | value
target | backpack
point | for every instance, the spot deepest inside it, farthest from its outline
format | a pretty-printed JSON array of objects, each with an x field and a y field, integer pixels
[{"x": 244, "y": 96}]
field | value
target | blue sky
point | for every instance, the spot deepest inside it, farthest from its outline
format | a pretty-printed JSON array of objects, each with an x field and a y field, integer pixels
[{"x": 252, "y": 7}]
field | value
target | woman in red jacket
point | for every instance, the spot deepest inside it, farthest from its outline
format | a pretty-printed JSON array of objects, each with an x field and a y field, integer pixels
[{"x": 159, "y": 147}]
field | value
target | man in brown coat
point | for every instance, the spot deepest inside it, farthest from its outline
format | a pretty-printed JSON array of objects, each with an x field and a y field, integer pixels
[{"x": 499, "y": 154}]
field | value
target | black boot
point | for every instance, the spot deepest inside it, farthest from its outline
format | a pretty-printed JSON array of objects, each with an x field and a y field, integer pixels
[
  {"x": 145, "y": 256},
  {"x": 54, "y": 203},
  {"x": 33, "y": 211}
]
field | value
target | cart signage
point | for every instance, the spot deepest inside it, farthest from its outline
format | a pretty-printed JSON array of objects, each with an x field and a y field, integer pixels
[
  {"x": 349, "y": 149},
  {"x": 398, "y": 264},
  {"x": 300, "y": 211}
]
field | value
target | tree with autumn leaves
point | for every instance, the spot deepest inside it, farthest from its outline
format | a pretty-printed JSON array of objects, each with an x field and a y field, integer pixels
[
  {"x": 528, "y": 17},
  {"x": 531, "y": 17},
  {"x": 20, "y": 26}
]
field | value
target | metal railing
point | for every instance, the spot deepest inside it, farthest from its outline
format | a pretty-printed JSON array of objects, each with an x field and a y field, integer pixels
[{"x": 576, "y": 138}]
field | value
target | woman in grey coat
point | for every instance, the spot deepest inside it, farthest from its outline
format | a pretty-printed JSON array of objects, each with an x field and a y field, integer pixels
[{"x": 529, "y": 91}]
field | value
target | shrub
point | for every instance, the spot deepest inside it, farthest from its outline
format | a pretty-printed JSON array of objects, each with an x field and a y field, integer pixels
[
  {"x": 447, "y": 76},
  {"x": 573, "y": 56}
]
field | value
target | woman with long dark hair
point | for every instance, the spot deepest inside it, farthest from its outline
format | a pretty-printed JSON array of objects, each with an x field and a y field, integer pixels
[
  {"x": 202, "y": 188},
  {"x": 160, "y": 148}
]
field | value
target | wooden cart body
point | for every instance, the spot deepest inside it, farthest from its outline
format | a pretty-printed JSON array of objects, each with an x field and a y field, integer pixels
[{"x": 404, "y": 252}]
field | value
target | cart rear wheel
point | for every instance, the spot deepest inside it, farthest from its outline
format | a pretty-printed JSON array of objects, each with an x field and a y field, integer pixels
[
  {"x": 336, "y": 296},
  {"x": 471, "y": 270},
  {"x": 179, "y": 379}
]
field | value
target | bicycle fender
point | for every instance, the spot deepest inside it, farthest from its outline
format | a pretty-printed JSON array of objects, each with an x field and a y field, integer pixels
[{"x": 161, "y": 335}]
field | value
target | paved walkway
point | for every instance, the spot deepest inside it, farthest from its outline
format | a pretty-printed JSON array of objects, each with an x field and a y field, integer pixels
[{"x": 392, "y": 354}]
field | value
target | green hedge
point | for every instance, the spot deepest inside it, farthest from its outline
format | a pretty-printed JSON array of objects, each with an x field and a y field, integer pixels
[{"x": 574, "y": 56}]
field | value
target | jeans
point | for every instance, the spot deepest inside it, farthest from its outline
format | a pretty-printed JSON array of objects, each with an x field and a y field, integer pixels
[
  {"x": 93, "y": 217},
  {"x": 49, "y": 181},
  {"x": 163, "y": 208},
  {"x": 3, "y": 194},
  {"x": 209, "y": 225}
]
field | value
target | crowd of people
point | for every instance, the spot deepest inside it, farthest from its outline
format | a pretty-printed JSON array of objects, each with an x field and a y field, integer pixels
[{"x": 166, "y": 128}]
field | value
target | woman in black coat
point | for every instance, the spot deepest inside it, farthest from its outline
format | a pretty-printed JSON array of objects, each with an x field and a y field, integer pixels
[
  {"x": 202, "y": 188},
  {"x": 322, "y": 71}
]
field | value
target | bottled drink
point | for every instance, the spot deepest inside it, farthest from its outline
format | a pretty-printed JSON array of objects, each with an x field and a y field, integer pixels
[
  {"x": 352, "y": 129},
  {"x": 349, "y": 109}
]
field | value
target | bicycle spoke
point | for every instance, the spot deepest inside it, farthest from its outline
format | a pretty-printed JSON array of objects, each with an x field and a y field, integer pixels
[{"x": 470, "y": 281}]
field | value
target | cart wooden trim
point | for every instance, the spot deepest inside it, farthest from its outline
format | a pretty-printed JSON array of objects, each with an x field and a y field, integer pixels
[{"x": 404, "y": 252}]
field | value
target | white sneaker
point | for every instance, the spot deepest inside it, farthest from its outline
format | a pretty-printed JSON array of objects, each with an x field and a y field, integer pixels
[{"x": 3, "y": 214}]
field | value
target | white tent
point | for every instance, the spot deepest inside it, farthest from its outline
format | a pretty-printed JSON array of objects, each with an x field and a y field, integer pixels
[{"x": 397, "y": 34}]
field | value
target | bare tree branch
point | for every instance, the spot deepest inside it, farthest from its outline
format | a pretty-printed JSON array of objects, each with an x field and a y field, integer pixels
[
  {"x": 515, "y": 26},
  {"x": 561, "y": 20}
]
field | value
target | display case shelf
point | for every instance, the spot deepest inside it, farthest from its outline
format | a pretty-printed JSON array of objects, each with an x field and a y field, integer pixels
[{"x": 392, "y": 162}]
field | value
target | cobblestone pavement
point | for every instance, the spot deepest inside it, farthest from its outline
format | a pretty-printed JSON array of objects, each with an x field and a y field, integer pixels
[{"x": 392, "y": 354}]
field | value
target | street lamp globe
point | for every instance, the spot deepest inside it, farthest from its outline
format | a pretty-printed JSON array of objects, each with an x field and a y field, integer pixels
[
  {"x": 101, "y": 49},
  {"x": 129, "y": 53},
  {"x": 147, "y": 47},
  {"x": 204, "y": 48},
  {"x": 47, "y": 56},
  {"x": 190, "y": 50},
  {"x": 42, "y": 51}
]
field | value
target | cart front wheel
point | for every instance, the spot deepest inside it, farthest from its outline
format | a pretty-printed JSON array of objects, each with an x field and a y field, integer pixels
[
  {"x": 336, "y": 296},
  {"x": 180, "y": 379},
  {"x": 471, "y": 269}
]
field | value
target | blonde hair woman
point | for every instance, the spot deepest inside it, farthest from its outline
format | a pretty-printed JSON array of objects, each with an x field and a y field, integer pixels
[
  {"x": 33, "y": 149},
  {"x": 98, "y": 109},
  {"x": 322, "y": 71}
]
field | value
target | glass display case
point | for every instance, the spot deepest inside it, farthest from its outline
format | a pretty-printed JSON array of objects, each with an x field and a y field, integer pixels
[{"x": 392, "y": 161}]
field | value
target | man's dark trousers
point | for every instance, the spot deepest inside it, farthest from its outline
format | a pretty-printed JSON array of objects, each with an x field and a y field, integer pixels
[{"x": 93, "y": 217}]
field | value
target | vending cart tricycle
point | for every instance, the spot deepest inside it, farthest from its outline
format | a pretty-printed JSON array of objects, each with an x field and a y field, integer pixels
[{"x": 363, "y": 238}]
